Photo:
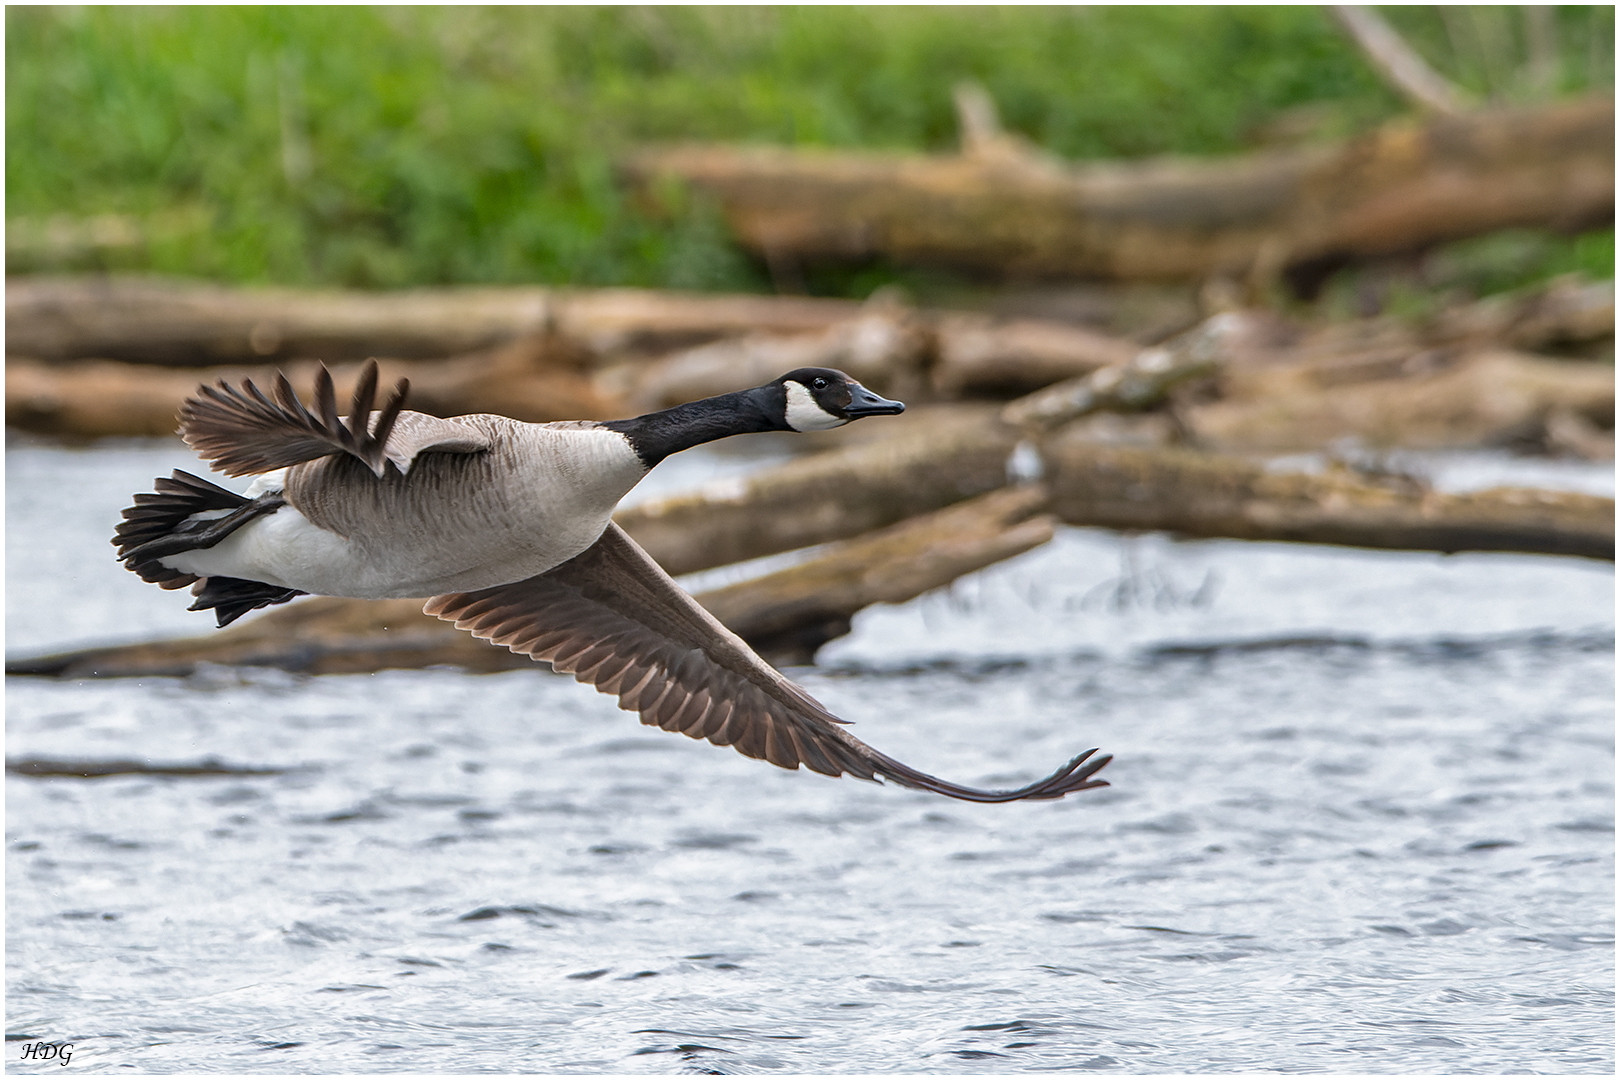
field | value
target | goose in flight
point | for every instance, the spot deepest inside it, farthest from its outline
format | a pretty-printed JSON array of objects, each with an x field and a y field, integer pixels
[{"x": 507, "y": 527}]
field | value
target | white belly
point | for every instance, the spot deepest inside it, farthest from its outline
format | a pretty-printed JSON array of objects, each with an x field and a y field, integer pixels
[
  {"x": 284, "y": 549},
  {"x": 514, "y": 524}
]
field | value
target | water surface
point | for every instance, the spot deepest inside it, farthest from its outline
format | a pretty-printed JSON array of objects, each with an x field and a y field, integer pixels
[{"x": 1361, "y": 821}]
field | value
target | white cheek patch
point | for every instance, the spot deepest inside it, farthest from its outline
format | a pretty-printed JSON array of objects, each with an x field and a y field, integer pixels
[{"x": 804, "y": 413}]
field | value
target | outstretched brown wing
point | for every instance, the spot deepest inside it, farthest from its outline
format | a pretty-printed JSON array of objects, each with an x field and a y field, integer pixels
[
  {"x": 613, "y": 618},
  {"x": 240, "y": 431}
]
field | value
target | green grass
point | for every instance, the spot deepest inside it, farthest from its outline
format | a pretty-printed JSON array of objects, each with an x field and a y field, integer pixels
[{"x": 387, "y": 147}]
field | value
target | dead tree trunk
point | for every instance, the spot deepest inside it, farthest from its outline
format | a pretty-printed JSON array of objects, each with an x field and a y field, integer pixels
[
  {"x": 1403, "y": 187},
  {"x": 1211, "y": 495},
  {"x": 186, "y": 323},
  {"x": 180, "y": 323}
]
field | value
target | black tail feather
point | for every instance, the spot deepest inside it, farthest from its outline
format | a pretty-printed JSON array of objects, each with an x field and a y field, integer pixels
[
  {"x": 161, "y": 523},
  {"x": 231, "y": 598},
  {"x": 163, "y": 513}
]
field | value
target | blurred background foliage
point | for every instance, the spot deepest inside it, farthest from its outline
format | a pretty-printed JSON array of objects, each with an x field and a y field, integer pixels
[{"x": 386, "y": 147}]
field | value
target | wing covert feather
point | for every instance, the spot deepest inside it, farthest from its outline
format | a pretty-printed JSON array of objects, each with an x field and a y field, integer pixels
[{"x": 611, "y": 617}]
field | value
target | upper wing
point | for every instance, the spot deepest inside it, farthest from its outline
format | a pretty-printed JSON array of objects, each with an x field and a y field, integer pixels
[
  {"x": 613, "y": 618},
  {"x": 241, "y": 431}
]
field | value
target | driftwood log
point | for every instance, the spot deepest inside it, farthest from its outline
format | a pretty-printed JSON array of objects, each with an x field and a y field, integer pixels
[
  {"x": 188, "y": 323},
  {"x": 1403, "y": 187},
  {"x": 791, "y": 612},
  {"x": 786, "y": 615},
  {"x": 1404, "y": 396},
  {"x": 182, "y": 323},
  {"x": 1210, "y": 495},
  {"x": 915, "y": 355},
  {"x": 1438, "y": 384},
  {"x": 1435, "y": 399},
  {"x": 869, "y": 486},
  {"x": 846, "y": 492},
  {"x": 324, "y": 635},
  {"x": 1390, "y": 388},
  {"x": 1140, "y": 382},
  {"x": 547, "y": 376},
  {"x": 976, "y": 354}
]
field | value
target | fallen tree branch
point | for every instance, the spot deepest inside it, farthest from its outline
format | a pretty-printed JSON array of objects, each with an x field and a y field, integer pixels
[
  {"x": 1400, "y": 188},
  {"x": 786, "y": 615},
  {"x": 323, "y": 635},
  {"x": 648, "y": 348},
  {"x": 790, "y": 614},
  {"x": 1141, "y": 382}
]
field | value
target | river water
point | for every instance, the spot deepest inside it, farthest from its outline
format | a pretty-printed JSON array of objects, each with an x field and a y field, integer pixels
[{"x": 1361, "y": 821}]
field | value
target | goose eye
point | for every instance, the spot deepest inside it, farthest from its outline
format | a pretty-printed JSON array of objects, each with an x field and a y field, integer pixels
[{"x": 818, "y": 384}]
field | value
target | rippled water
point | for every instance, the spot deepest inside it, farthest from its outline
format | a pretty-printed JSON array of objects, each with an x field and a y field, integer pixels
[{"x": 1361, "y": 822}]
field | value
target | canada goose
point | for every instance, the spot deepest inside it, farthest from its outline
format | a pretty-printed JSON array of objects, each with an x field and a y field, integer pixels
[{"x": 506, "y": 526}]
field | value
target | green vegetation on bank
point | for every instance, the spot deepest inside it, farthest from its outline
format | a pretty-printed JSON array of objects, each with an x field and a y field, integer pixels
[{"x": 382, "y": 147}]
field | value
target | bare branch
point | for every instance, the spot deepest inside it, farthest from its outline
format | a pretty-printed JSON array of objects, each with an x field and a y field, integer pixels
[
  {"x": 1399, "y": 64},
  {"x": 976, "y": 116},
  {"x": 983, "y": 137},
  {"x": 1541, "y": 39}
]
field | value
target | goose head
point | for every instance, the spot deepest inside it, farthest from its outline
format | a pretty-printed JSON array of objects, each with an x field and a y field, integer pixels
[
  {"x": 808, "y": 399},
  {"x": 818, "y": 399}
]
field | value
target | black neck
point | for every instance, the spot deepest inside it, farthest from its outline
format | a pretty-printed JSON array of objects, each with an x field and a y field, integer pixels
[{"x": 657, "y": 435}]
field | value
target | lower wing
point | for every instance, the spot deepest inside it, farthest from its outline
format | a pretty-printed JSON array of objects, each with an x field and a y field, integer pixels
[{"x": 611, "y": 617}]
